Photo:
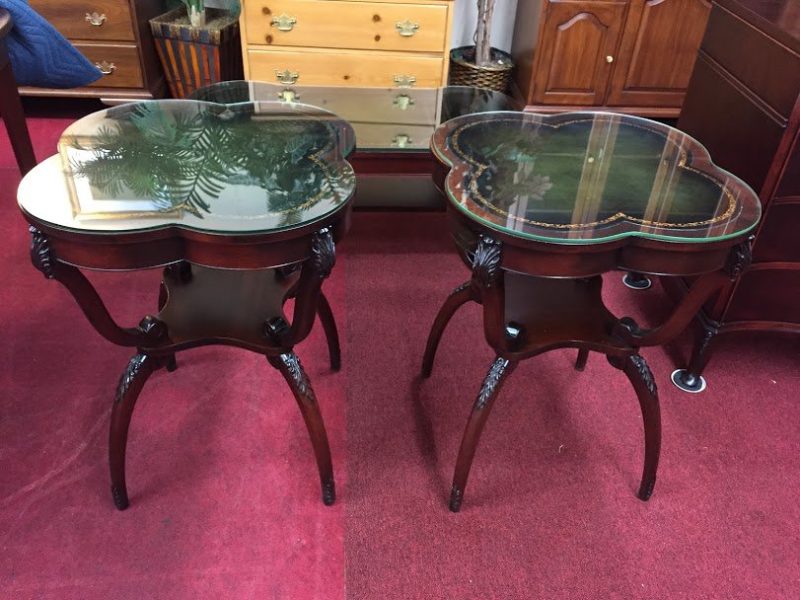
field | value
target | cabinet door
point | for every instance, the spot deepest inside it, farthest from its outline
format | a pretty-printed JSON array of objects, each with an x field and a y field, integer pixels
[
  {"x": 576, "y": 48},
  {"x": 658, "y": 52}
]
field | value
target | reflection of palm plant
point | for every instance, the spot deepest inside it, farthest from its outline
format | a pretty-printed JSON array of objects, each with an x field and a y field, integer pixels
[{"x": 183, "y": 158}]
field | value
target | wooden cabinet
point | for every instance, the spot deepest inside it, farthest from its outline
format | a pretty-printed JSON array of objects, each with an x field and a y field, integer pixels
[
  {"x": 576, "y": 54},
  {"x": 115, "y": 36},
  {"x": 375, "y": 43},
  {"x": 628, "y": 55},
  {"x": 743, "y": 104}
]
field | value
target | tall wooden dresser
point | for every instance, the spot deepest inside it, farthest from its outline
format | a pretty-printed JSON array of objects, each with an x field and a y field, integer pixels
[
  {"x": 115, "y": 36},
  {"x": 743, "y": 104},
  {"x": 360, "y": 43}
]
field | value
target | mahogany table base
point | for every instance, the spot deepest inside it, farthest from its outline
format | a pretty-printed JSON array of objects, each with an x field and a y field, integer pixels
[
  {"x": 526, "y": 315},
  {"x": 202, "y": 306}
]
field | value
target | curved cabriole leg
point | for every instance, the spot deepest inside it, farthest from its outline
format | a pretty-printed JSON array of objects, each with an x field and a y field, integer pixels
[
  {"x": 583, "y": 356},
  {"x": 457, "y": 298},
  {"x": 140, "y": 367},
  {"x": 501, "y": 368},
  {"x": 291, "y": 369},
  {"x": 640, "y": 376},
  {"x": 331, "y": 333}
]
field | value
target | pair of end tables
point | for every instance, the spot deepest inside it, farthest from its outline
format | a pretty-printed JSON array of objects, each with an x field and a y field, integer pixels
[{"x": 242, "y": 195}]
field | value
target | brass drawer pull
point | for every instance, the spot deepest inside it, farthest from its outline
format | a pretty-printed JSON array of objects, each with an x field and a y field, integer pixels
[
  {"x": 284, "y": 22},
  {"x": 404, "y": 81},
  {"x": 95, "y": 19},
  {"x": 287, "y": 77},
  {"x": 403, "y": 101},
  {"x": 288, "y": 96},
  {"x": 401, "y": 140},
  {"x": 406, "y": 28},
  {"x": 106, "y": 68}
]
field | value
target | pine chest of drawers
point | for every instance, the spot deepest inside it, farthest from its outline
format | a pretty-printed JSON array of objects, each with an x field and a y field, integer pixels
[
  {"x": 115, "y": 36},
  {"x": 359, "y": 43}
]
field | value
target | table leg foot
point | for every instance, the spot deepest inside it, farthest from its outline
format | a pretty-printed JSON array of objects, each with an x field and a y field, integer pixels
[
  {"x": 289, "y": 366},
  {"x": 688, "y": 382},
  {"x": 120, "y": 496},
  {"x": 457, "y": 298},
  {"x": 636, "y": 281},
  {"x": 331, "y": 332},
  {"x": 139, "y": 369},
  {"x": 499, "y": 371}
]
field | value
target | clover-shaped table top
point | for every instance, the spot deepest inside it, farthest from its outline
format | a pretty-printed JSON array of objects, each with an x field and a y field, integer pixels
[
  {"x": 589, "y": 177},
  {"x": 253, "y": 167}
]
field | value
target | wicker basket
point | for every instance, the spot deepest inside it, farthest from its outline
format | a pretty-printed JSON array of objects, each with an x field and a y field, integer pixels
[
  {"x": 464, "y": 71},
  {"x": 195, "y": 57}
]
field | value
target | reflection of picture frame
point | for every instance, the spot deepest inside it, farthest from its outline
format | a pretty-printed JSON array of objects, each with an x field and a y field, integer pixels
[{"x": 88, "y": 203}]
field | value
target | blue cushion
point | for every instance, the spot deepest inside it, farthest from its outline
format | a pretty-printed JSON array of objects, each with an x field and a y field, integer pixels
[{"x": 40, "y": 55}]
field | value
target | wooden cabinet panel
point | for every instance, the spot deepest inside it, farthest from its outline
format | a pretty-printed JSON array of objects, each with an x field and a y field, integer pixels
[
  {"x": 658, "y": 52},
  {"x": 777, "y": 240},
  {"x": 576, "y": 51},
  {"x": 346, "y": 68},
  {"x": 357, "y": 25},
  {"x": 89, "y": 19},
  {"x": 772, "y": 69},
  {"x": 733, "y": 147}
]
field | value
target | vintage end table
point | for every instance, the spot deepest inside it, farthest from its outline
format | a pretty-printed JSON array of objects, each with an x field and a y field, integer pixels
[
  {"x": 243, "y": 206},
  {"x": 540, "y": 206}
]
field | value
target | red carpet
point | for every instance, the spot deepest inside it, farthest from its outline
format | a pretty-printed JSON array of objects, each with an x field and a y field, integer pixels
[{"x": 224, "y": 494}]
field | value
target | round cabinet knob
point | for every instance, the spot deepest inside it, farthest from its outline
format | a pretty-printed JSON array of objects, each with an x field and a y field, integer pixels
[{"x": 609, "y": 59}]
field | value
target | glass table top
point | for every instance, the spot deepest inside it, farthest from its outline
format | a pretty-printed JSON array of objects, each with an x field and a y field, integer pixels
[
  {"x": 589, "y": 177},
  {"x": 384, "y": 119},
  {"x": 249, "y": 167}
]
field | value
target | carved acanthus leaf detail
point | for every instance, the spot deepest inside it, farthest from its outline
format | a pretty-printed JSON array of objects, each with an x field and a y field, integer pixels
[
  {"x": 645, "y": 373},
  {"x": 292, "y": 363},
  {"x": 323, "y": 252},
  {"x": 491, "y": 381},
  {"x": 42, "y": 255},
  {"x": 486, "y": 262},
  {"x": 132, "y": 371}
]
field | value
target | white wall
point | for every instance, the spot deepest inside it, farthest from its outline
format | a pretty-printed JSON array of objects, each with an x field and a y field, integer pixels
[{"x": 466, "y": 14}]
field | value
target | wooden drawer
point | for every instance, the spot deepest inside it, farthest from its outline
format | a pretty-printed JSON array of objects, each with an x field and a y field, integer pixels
[
  {"x": 370, "y": 105},
  {"x": 123, "y": 59},
  {"x": 392, "y": 135},
  {"x": 356, "y": 25},
  {"x": 755, "y": 60},
  {"x": 70, "y": 18},
  {"x": 345, "y": 68}
]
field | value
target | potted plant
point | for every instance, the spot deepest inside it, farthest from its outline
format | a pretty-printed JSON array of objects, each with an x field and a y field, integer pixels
[
  {"x": 198, "y": 46},
  {"x": 481, "y": 65}
]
